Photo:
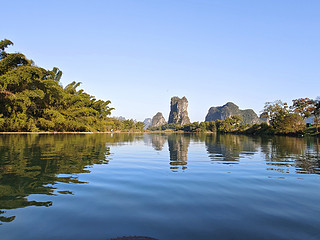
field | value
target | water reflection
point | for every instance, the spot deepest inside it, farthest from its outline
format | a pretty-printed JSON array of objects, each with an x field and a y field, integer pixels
[
  {"x": 32, "y": 164},
  {"x": 228, "y": 149},
  {"x": 287, "y": 154},
  {"x": 158, "y": 141},
  {"x": 178, "y": 148},
  {"x": 282, "y": 154}
]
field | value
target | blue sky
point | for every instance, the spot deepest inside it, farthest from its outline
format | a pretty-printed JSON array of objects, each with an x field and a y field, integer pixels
[{"x": 140, "y": 53}]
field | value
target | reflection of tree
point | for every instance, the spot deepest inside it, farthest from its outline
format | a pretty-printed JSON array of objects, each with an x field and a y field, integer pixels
[
  {"x": 31, "y": 164},
  {"x": 178, "y": 147},
  {"x": 227, "y": 148},
  {"x": 284, "y": 153},
  {"x": 119, "y": 139},
  {"x": 6, "y": 219}
]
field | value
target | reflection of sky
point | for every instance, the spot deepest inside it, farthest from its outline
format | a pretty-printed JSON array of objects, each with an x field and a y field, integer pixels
[{"x": 141, "y": 157}]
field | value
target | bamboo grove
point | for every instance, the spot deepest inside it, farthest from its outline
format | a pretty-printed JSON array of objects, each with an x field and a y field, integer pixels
[{"x": 33, "y": 99}]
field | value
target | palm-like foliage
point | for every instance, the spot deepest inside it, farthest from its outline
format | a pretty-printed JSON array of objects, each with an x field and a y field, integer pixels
[{"x": 33, "y": 99}]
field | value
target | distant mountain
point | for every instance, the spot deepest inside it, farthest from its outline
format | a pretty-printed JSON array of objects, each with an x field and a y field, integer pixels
[
  {"x": 231, "y": 109},
  {"x": 120, "y": 118},
  {"x": 147, "y": 123}
]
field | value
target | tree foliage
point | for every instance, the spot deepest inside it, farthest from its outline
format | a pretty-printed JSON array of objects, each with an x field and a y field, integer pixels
[
  {"x": 303, "y": 106},
  {"x": 3, "y": 45},
  {"x": 33, "y": 99},
  {"x": 316, "y": 113},
  {"x": 283, "y": 119}
]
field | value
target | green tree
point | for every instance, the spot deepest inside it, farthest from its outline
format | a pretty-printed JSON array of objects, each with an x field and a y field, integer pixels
[
  {"x": 211, "y": 126},
  {"x": 282, "y": 118},
  {"x": 316, "y": 113},
  {"x": 33, "y": 99},
  {"x": 3, "y": 45},
  {"x": 303, "y": 106},
  {"x": 140, "y": 126}
]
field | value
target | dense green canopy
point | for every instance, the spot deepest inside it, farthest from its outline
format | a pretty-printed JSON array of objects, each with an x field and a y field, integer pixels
[{"x": 33, "y": 99}]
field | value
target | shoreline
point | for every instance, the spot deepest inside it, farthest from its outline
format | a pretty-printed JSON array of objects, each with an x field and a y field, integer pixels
[{"x": 155, "y": 132}]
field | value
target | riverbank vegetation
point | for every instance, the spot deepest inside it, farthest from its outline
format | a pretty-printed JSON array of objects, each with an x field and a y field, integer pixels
[
  {"x": 33, "y": 99},
  {"x": 119, "y": 125}
]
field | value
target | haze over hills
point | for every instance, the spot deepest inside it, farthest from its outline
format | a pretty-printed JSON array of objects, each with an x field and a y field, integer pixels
[{"x": 147, "y": 123}]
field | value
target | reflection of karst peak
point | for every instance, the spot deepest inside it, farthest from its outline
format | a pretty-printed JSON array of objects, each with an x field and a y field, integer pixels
[
  {"x": 178, "y": 147},
  {"x": 227, "y": 149},
  {"x": 158, "y": 141}
]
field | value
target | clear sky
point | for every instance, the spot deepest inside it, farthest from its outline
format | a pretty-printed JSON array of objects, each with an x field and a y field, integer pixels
[{"x": 140, "y": 53}]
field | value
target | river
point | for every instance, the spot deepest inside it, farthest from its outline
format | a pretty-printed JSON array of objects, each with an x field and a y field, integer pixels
[{"x": 164, "y": 186}]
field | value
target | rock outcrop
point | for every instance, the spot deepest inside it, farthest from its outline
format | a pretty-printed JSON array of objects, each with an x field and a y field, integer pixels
[
  {"x": 147, "y": 123},
  {"x": 158, "y": 120},
  {"x": 179, "y": 111},
  {"x": 230, "y": 109},
  {"x": 249, "y": 117}
]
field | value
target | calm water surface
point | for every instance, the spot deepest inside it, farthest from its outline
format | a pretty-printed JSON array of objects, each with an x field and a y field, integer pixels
[{"x": 177, "y": 186}]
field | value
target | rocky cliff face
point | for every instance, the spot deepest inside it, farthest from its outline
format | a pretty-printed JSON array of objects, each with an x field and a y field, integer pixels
[
  {"x": 249, "y": 116},
  {"x": 230, "y": 109},
  {"x": 158, "y": 120},
  {"x": 179, "y": 111}
]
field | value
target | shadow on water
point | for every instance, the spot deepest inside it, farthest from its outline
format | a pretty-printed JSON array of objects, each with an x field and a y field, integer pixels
[{"x": 32, "y": 164}]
